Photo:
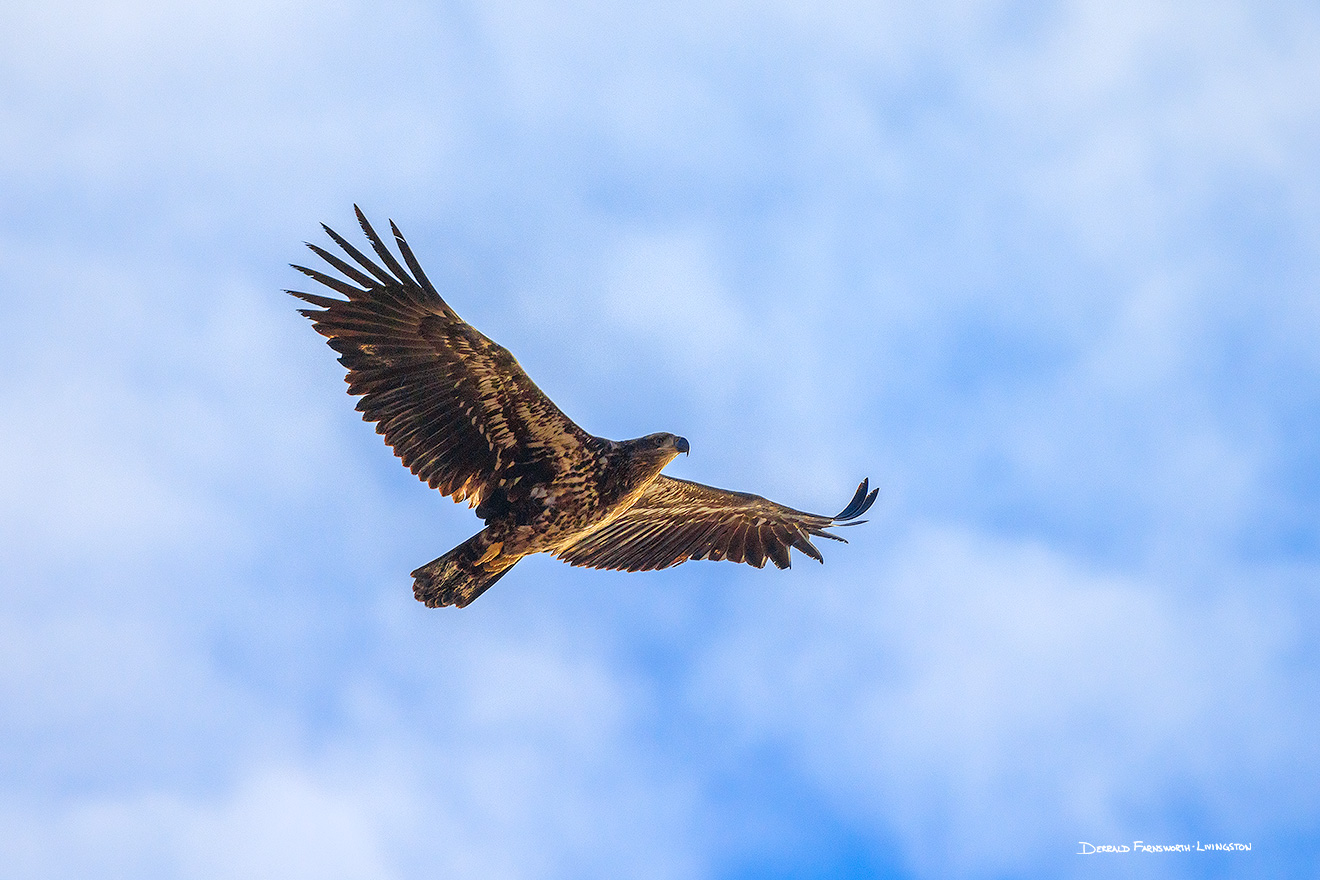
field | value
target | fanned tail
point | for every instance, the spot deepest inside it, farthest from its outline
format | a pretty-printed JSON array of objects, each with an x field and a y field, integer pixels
[{"x": 462, "y": 574}]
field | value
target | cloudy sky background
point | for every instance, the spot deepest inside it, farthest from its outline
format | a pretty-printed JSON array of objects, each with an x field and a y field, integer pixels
[{"x": 1046, "y": 273}]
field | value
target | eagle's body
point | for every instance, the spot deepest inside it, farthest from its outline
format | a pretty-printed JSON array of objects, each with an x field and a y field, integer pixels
[{"x": 464, "y": 417}]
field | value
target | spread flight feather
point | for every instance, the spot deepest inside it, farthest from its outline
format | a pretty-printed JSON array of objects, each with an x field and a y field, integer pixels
[{"x": 463, "y": 416}]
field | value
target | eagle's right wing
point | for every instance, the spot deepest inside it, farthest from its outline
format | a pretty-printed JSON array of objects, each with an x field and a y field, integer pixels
[
  {"x": 455, "y": 406},
  {"x": 677, "y": 520}
]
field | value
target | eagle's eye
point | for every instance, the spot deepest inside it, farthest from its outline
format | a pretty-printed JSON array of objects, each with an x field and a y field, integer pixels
[{"x": 659, "y": 441}]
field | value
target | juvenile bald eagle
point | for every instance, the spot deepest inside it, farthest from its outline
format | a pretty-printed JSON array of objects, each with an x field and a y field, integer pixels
[{"x": 466, "y": 419}]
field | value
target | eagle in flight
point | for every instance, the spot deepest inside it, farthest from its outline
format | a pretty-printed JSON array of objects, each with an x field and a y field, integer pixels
[{"x": 464, "y": 417}]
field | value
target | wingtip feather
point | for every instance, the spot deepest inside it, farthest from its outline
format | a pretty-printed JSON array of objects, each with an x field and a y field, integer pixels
[
  {"x": 860, "y": 503},
  {"x": 324, "y": 302}
]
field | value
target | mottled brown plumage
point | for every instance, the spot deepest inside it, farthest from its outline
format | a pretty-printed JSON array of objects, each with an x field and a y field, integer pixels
[{"x": 462, "y": 415}]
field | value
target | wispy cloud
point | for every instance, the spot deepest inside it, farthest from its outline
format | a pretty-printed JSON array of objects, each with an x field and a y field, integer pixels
[
  {"x": 994, "y": 703},
  {"x": 1046, "y": 274}
]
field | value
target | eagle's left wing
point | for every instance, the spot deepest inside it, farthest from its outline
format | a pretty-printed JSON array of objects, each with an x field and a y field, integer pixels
[{"x": 677, "y": 520}]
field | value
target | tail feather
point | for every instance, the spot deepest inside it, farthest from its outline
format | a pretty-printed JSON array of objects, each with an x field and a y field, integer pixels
[{"x": 456, "y": 578}]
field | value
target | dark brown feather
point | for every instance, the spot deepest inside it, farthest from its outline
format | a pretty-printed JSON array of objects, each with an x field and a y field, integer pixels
[
  {"x": 676, "y": 520},
  {"x": 453, "y": 405}
]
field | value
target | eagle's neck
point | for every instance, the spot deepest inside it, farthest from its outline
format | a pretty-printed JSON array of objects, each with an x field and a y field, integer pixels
[{"x": 630, "y": 471}]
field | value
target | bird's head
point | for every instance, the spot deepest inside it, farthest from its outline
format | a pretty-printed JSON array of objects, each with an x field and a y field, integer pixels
[{"x": 662, "y": 445}]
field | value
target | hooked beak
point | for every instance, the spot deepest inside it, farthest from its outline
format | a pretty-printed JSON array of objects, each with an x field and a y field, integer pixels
[{"x": 681, "y": 445}]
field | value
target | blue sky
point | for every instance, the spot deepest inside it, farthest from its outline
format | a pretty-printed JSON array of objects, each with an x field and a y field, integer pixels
[{"x": 1046, "y": 273}]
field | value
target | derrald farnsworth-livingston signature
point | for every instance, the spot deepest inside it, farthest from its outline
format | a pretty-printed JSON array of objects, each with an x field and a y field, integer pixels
[{"x": 1090, "y": 849}]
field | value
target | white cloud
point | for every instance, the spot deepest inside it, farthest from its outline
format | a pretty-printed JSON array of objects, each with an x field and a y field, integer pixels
[
  {"x": 503, "y": 760},
  {"x": 666, "y": 287},
  {"x": 1147, "y": 111},
  {"x": 275, "y": 823},
  {"x": 993, "y": 703}
]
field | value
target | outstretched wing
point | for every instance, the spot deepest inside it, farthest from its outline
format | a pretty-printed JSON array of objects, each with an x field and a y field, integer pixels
[
  {"x": 455, "y": 407},
  {"x": 676, "y": 520}
]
